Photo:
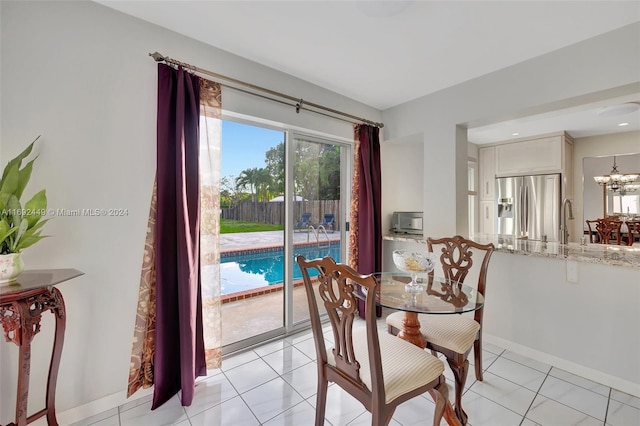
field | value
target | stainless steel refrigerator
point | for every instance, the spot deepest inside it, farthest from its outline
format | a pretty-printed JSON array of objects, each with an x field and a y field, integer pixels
[{"x": 529, "y": 206}]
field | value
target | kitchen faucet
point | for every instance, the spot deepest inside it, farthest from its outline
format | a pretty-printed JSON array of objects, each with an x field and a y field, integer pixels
[{"x": 564, "y": 238}]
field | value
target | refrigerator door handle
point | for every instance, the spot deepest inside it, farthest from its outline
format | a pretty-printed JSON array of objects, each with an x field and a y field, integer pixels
[
  {"x": 526, "y": 210},
  {"x": 521, "y": 212}
]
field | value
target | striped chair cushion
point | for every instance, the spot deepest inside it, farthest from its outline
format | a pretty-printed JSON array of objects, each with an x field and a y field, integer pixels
[
  {"x": 404, "y": 366},
  {"x": 455, "y": 332}
]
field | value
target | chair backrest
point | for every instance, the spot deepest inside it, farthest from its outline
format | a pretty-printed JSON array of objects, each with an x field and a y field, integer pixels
[
  {"x": 609, "y": 229},
  {"x": 456, "y": 259},
  {"x": 633, "y": 229},
  {"x": 328, "y": 218},
  {"x": 592, "y": 235},
  {"x": 335, "y": 285},
  {"x": 305, "y": 217}
]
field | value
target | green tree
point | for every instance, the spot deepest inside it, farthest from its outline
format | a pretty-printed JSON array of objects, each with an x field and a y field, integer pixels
[
  {"x": 229, "y": 195},
  {"x": 274, "y": 160},
  {"x": 263, "y": 182},
  {"x": 247, "y": 181},
  {"x": 330, "y": 173},
  {"x": 306, "y": 170}
]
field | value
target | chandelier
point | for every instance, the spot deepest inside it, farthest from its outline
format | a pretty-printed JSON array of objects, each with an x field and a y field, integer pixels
[{"x": 616, "y": 181}]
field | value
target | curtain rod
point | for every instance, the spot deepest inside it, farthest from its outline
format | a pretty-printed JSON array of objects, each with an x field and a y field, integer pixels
[{"x": 300, "y": 104}]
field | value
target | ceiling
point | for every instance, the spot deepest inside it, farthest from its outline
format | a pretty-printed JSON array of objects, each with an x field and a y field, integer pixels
[
  {"x": 587, "y": 119},
  {"x": 384, "y": 53}
]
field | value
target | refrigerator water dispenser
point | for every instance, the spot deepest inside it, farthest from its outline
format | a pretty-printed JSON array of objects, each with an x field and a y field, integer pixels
[{"x": 505, "y": 208}]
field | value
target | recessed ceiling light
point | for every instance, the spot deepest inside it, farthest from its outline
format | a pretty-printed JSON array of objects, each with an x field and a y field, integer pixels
[
  {"x": 623, "y": 124},
  {"x": 515, "y": 134},
  {"x": 619, "y": 109}
]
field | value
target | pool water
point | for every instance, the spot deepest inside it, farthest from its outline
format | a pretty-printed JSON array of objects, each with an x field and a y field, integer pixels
[{"x": 262, "y": 268}]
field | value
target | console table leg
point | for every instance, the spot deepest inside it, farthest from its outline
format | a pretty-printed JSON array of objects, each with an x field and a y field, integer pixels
[
  {"x": 24, "y": 361},
  {"x": 58, "y": 310}
]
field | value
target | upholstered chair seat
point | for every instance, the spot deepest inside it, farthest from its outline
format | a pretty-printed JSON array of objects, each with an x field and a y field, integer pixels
[
  {"x": 400, "y": 376},
  {"x": 454, "y": 332}
]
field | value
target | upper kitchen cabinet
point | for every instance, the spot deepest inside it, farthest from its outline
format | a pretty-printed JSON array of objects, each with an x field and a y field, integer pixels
[
  {"x": 545, "y": 154},
  {"x": 487, "y": 172},
  {"x": 540, "y": 155}
]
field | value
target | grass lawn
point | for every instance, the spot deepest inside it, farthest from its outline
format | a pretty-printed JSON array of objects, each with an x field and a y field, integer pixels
[{"x": 228, "y": 226}]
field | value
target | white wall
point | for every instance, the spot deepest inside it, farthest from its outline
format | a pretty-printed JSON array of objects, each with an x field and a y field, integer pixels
[
  {"x": 79, "y": 74},
  {"x": 588, "y": 194},
  {"x": 401, "y": 190},
  {"x": 569, "y": 75}
]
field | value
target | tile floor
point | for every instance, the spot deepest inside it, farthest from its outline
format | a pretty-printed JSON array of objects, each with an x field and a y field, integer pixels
[{"x": 275, "y": 384}]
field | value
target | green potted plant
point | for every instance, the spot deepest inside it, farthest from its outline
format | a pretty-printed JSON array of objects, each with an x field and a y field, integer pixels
[{"x": 20, "y": 224}]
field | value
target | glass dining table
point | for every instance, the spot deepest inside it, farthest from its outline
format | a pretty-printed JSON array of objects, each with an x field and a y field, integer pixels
[{"x": 430, "y": 295}]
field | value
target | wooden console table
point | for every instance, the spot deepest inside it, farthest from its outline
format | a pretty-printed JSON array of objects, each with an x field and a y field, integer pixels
[{"x": 21, "y": 306}]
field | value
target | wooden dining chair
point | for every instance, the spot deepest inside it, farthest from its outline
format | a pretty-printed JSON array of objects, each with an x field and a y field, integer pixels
[
  {"x": 455, "y": 335},
  {"x": 593, "y": 233},
  {"x": 380, "y": 371},
  {"x": 633, "y": 231},
  {"x": 609, "y": 230}
]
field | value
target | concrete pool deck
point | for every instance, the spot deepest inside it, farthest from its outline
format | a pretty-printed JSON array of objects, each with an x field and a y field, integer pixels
[{"x": 249, "y": 240}]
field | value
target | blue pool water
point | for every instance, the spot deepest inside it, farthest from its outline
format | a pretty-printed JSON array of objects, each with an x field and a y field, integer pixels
[{"x": 240, "y": 272}]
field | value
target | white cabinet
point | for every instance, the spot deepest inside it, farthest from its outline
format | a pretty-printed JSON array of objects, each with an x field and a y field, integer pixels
[
  {"x": 487, "y": 217},
  {"x": 487, "y": 172},
  {"x": 535, "y": 156},
  {"x": 487, "y": 156}
]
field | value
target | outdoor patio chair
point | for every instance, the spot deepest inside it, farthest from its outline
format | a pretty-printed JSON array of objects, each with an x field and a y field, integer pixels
[
  {"x": 328, "y": 222},
  {"x": 304, "y": 222}
]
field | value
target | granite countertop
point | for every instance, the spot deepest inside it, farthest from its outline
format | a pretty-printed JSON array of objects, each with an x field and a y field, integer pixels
[{"x": 606, "y": 254}]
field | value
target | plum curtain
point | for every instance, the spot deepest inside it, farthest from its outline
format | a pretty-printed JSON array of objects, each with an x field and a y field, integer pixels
[
  {"x": 365, "y": 230},
  {"x": 177, "y": 332}
]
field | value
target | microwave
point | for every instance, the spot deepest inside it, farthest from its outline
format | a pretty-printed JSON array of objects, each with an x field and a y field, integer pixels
[{"x": 406, "y": 222}]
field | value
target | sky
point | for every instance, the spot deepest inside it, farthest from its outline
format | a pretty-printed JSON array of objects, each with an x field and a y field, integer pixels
[{"x": 244, "y": 146}]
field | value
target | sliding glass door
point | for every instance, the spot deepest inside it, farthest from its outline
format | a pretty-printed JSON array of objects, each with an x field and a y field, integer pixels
[
  {"x": 318, "y": 209},
  {"x": 282, "y": 194}
]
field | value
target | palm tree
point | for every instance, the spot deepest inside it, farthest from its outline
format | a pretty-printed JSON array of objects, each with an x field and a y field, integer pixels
[
  {"x": 247, "y": 180},
  {"x": 263, "y": 181}
]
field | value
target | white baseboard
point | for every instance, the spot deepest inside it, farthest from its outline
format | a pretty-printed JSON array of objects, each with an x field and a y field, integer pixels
[{"x": 614, "y": 382}]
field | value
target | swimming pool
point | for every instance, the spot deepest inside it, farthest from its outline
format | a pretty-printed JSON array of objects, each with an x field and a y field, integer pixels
[{"x": 264, "y": 267}]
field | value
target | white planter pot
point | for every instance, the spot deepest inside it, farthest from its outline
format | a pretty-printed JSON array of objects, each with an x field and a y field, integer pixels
[{"x": 11, "y": 266}]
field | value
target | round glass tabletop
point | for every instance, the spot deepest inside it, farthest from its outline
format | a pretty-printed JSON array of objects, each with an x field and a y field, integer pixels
[{"x": 432, "y": 295}]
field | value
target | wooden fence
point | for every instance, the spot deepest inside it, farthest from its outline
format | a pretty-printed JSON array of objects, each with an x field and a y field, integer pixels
[{"x": 273, "y": 212}]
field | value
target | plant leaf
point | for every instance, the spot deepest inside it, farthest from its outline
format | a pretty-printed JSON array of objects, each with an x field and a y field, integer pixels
[
  {"x": 37, "y": 226},
  {"x": 14, "y": 211},
  {"x": 10, "y": 180},
  {"x": 31, "y": 231},
  {"x": 37, "y": 206},
  {"x": 6, "y": 230},
  {"x": 4, "y": 198},
  {"x": 23, "y": 178},
  {"x": 16, "y": 240},
  {"x": 18, "y": 160},
  {"x": 27, "y": 242}
]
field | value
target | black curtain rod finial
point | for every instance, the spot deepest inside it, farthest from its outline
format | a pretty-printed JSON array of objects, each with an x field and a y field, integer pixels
[{"x": 157, "y": 56}]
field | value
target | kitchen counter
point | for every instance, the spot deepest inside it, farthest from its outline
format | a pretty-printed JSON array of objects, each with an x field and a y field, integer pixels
[{"x": 606, "y": 254}]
